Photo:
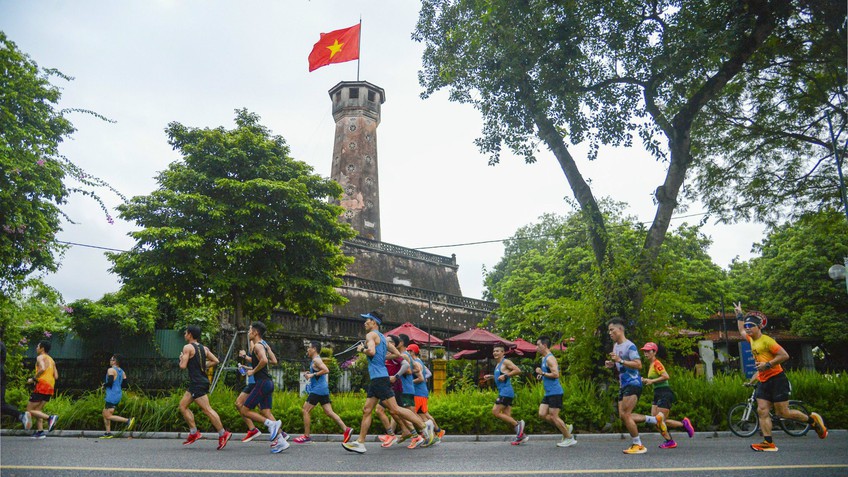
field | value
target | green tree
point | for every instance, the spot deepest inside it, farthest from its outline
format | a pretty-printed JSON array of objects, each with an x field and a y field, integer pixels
[
  {"x": 32, "y": 171},
  {"x": 789, "y": 278},
  {"x": 603, "y": 72},
  {"x": 237, "y": 224},
  {"x": 548, "y": 283},
  {"x": 765, "y": 144}
]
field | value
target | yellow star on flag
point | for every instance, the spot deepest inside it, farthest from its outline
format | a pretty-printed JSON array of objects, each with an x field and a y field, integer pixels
[{"x": 335, "y": 48}]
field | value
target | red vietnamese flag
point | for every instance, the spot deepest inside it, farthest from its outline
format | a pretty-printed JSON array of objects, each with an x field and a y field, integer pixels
[{"x": 335, "y": 47}]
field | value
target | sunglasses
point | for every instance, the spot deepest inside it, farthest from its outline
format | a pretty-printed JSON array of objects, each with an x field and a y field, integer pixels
[{"x": 749, "y": 325}]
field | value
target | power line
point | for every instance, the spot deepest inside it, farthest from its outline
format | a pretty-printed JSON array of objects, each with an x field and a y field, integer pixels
[{"x": 91, "y": 246}]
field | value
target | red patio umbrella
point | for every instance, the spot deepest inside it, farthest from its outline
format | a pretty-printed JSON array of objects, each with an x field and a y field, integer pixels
[
  {"x": 416, "y": 335},
  {"x": 524, "y": 347},
  {"x": 476, "y": 338}
]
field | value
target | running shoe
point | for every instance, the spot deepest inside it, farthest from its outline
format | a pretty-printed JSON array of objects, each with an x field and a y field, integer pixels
[
  {"x": 570, "y": 428},
  {"x": 192, "y": 438},
  {"x": 51, "y": 422},
  {"x": 518, "y": 440},
  {"x": 440, "y": 434},
  {"x": 635, "y": 449},
  {"x": 818, "y": 425},
  {"x": 131, "y": 424},
  {"x": 668, "y": 445},
  {"x": 274, "y": 430},
  {"x": 40, "y": 435},
  {"x": 222, "y": 440},
  {"x": 405, "y": 437},
  {"x": 415, "y": 442},
  {"x": 108, "y": 435},
  {"x": 662, "y": 427},
  {"x": 280, "y": 445},
  {"x": 354, "y": 446},
  {"x": 567, "y": 442},
  {"x": 429, "y": 434},
  {"x": 304, "y": 439},
  {"x": 348, "y": 432},
  {"x": 283, "y": 433},
  {"x": 764, "y": 447},
  {"x": 687, "y": 424},
  {"x": 255, "y": 432},
  {"x": 520, "y": 429},
  {"x": 389, "y": 441},
  {"x": 26, "y": 420}
]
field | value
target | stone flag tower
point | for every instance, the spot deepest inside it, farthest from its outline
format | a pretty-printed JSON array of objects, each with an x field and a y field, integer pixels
[{"x": 356, "y": 110}]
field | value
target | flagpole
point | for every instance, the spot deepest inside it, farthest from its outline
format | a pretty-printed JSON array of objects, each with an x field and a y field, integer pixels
[{"x": 358, "y": 59}]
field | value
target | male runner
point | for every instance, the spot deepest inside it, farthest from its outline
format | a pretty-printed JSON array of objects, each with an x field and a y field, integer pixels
[
  {"x": 8, "y": 409},
  {"x": 389, "y": 438},
  {"x": 774, "y": 388},
  {"x": 250, "y": 383},
  {"x": 420, "y": 375},
  {"x": 504, "y": 371},
  {"x": 406, "y": 378},
  {"x": 262, "y": 394},
  {"x": 115, "y": 380},
  {"x": 379, "y": 389},
  {"x": 625, "y": 357},
  {"x": 319, "y": 393},
  {"x": 552, "y": 401},
  {"x": 196, "y": 358},
  {"x": 45, "y": 378}
]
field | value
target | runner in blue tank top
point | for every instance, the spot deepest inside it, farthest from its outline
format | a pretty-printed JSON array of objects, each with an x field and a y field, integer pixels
[
  {"x": 504, "y": 371},
  {"x": 376, "y": 349},
  {"x": 318, "y": 391},
  {"x": 626, "y": 359},
  {"x": 407, "y": 397},
  {"x": 115, "y": 380},
  {"x": 548, "y": 372},
  {"x": 422, "y": 392}
]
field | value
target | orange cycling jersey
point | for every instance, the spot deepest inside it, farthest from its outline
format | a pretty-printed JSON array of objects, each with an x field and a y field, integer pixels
[{"x": 765, "y": 349}]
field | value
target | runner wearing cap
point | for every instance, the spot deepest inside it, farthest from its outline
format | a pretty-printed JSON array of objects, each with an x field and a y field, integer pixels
[
  {"x": 504, "y": 371},
  {"x": 377, "y": 349},
  {"x": 663, "y": 395},
  {"x": 405, "y": 376},
  {"x": 420, "y": 375},
  {"x": 774, "y": 388},
  {"x": 389, "y": 438}
]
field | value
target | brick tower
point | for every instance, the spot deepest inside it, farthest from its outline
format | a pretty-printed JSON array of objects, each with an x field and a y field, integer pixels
[{"x": 356, "y": 110}]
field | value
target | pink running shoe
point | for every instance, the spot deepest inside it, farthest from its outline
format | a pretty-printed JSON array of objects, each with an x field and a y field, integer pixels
[{"x": 687, "y": 424}]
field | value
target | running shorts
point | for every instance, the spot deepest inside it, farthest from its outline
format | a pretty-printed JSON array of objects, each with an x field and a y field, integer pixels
[
  {"x": 775, "y": 388},
  {"x": 421, "y": 405},
  {"x": 262, "y": 395},
  {"x": 380, "y": 388},
  {"x": 315, "y": 399},
  {"x": 554, "y": 401}
]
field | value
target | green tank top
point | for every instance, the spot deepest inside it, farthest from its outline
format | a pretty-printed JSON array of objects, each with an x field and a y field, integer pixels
[{"x": 655, "y": 371}]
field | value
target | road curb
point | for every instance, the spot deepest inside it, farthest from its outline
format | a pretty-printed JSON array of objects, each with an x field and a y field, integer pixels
[{"x": 371, "y": 438}]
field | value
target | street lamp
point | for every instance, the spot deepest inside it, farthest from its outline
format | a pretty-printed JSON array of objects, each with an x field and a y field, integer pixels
[{"x": 838, "y": 272}]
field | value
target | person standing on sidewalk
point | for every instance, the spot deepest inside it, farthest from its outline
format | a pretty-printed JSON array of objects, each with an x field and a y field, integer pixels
[
  {"x": 548, "y": 372},
  {"x": 8, "y": 409},
  {"x": 663, "y": 395},
  {"x": 45, "y": 378},
  {"x": 115, "y": 381},
  {"x": 774, "y": 388},
  {"x": 376, "y": 349},
  {"x": 196, "y": 358},
  {"x": 318, "y": 391},
  {"x": 504, "y": 371},
  {"x": 625, "y": 358}
]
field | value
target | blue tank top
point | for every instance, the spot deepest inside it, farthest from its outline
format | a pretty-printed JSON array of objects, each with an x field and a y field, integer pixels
[
  {"x": 406, "y": 379},
  {"x": 114, "y": 392},
  {"x": 504, "y": 387},
  {"x": 377, "y": 363},
  {"x": 318, "y": 385},
  {"x": 552, "y": 385},
  {"x": 421, "y": 388}
]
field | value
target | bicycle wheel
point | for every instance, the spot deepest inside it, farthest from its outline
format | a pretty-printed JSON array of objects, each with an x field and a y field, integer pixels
[
  {"x": 742, "y": 420},
  {"x": 795, "y": 428}
]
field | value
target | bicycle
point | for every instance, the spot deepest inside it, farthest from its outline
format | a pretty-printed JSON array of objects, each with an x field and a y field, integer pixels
[{"x": 744, "y": 420}]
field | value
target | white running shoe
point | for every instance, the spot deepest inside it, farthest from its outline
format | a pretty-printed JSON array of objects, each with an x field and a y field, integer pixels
[
  {"x": 274, "y": 430},
  {"x": 354, "y": 446},
  {"x": 571, "y": 441},
  {"x": 26, "y": 420},
  {"x": 280, "y": 446}
]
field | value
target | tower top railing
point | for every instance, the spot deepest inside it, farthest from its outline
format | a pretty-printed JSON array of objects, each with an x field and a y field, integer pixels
[{"x": 403, "y": 251}]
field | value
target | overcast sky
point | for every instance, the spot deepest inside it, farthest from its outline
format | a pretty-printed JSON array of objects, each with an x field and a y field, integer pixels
[{"x": 146, "y": 63}]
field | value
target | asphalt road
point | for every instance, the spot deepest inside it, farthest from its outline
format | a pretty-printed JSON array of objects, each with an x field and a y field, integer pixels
[{"x": 594, "y": 455}]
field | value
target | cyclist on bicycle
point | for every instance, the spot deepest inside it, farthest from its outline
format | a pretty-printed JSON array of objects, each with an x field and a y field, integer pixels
[
  {"x": 663, "y": 395},
  {"x": 774, "y": 385}
]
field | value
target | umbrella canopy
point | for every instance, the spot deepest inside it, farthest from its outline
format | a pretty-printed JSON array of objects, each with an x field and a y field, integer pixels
[
  {"x": 562, "y": 346},
  {"x": 525, "y": 347},
  {"x": 416, "y": 335},
  {"x": 476, "y": 338}
]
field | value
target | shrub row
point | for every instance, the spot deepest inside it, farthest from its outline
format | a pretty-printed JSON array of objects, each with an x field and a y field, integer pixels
[{"x": 589, "y": 406}]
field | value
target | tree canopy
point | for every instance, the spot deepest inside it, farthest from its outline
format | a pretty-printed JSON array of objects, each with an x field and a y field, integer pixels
[
  {"x": 610, "y": 73},
  {"x": 236, "y": 223},
  {"x": 33, "y": 173}
]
